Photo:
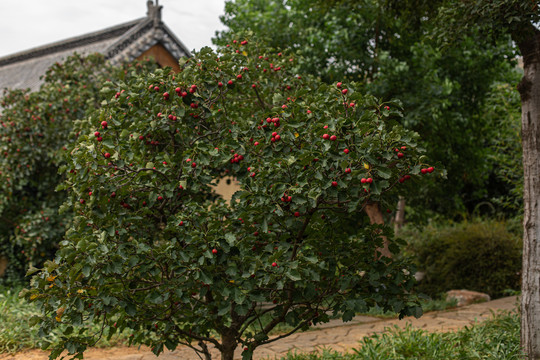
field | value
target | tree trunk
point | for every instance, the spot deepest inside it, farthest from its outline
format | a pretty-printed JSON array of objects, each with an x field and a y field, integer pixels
[
  {"x": 400, "y": 215},
  {"x": 529, "y": 89},
  {"x": 376, "y": 217},
  {"x": 228, "y": 343}
]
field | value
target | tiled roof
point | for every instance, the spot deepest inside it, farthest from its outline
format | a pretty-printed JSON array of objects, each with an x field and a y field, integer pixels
[{"x": 118, "y": 43}]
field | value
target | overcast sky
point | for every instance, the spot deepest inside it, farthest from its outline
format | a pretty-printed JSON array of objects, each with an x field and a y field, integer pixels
[{"x": 29, "y": 23}]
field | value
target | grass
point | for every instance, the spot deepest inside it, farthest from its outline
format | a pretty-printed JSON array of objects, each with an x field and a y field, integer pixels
[
  {"x": 497, "y": 338},
  {"x": 16, "y": 334}
]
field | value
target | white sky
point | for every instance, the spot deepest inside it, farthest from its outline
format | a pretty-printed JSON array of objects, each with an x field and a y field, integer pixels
[{"x": 25, "y": 24}]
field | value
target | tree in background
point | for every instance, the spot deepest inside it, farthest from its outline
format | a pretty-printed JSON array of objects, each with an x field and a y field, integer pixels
[
  {"x": 388, "y": 47},
  {"x": 151, "y": 248},
  {"x": 34, "y": 130},
  {"x": 519, "y": 19}
]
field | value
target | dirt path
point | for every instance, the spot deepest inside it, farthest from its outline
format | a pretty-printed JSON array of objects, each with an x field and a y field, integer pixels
[{"x": 335, "y": 335}]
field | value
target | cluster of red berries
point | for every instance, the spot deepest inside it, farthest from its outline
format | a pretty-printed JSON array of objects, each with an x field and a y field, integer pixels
[
  {"x": 274, "y": 121},
  {"x": 286, "y": 198},
  {"x": 366, "y": 181},
  {"x": 406, "y": 177},
  {"x": 275, "y": 137},
  {"x": 427, "y": 170},
  {"x": 328, "y": 137},
  {"x": 237, "y": 158},
  {"x": 179, "y": 92}
]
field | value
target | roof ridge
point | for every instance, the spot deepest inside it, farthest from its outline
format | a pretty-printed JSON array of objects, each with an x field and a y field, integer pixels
[{"x": 73, "y": 42}]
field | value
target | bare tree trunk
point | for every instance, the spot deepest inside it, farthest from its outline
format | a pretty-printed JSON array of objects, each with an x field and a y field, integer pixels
[
  {"x": 228, "y": 343},
  {"x": 400, "y": 215},
  {"x": 376, "y": 217},
  {"x": 529, "y": 89}
]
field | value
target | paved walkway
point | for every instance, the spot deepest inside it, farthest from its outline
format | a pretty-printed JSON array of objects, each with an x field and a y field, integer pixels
[{"x": 334, "y": 335}]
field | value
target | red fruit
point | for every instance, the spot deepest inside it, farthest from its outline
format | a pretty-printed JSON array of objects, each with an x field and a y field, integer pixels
[
  {"x": 283, "y": 106},
  {"x": 104, "y": 124},
  {"x": 346, "y": 151},
  {"x": 178, "y": 91},
  {"x": 344, "y": 91},
  {"x": 184, "y": 94},
  {"x": 403, "y": 148},
  {"x": 160, "y": 198},
  {"x": 407, "y": 177},
  {"x": 348, "y": 170},
  {"x": 363, "y": 181},
  {"x": 193, "y": 165},
  {"x": 96, "y": 134},
  {"x": 424, "y": 171},
  {"x": 156, "y": 88},
  {"x": 296, "y": 214},
  {"x": 278, "y": 137},
  {"x": 82, "y": 201},
  {"x": 256, "y": 143},
  {"x": 274, "y": 133},
  {"x": 333, "y": 138},
  {"x": 338, "y": 85},
  {"x": 244, "y": 42},
  {"x": 401, "y": 180},
  {"x": 274, "y": 264},
  {"x": 166, "y": 95},
  {"x": 325, "y": 127},
  {"x": 220, "y": 84},
  {"x": 400, "y": 155},
  {"x": 430, "y": 169},
  {"x": 113, "y": 194},
  {"x": 334, "y": 183},
  {"x": 252, "y": 174},
  {"x": 254, "y": 86},
  {"x": 326, "y": 136},
  {"x": 369, "y": 180},
  {"x": 214, "y": 251},
  {"x": 107, "y": 155},
  {"x": 181, "y": 223},
  {"x": 239, "y": 76},
  {"x": 230, "y": 82}
]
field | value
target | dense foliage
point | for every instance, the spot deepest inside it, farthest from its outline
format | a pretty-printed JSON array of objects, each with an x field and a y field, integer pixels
[
  {"x": 389, "y": 47},
  {"x": 153, "y": 249},
  {"x": 34, "y": 129},
  {"x": 480, "y": 255}
]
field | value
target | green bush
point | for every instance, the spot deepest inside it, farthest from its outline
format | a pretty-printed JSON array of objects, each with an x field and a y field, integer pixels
[
  {"x": 35, "y": 128},
  {"x": 152, "y": 248},
  {"x": 479, "y": 255}
]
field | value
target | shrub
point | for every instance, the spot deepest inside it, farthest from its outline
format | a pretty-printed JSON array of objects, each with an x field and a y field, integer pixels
[
  {"x": 34, "y": 131},
  {"x": 152, "y": 247},
  {"x": 480, "y": 255}
]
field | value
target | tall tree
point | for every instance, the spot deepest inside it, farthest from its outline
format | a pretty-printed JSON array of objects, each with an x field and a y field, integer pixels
[{"x": 519, "y": 19}]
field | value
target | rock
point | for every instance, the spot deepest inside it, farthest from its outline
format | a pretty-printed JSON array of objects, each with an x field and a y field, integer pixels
[{"x": 467, "y": 297}]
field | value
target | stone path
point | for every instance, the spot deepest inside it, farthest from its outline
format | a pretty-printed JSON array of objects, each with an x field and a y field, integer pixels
[{"x": 333, "y": 335}]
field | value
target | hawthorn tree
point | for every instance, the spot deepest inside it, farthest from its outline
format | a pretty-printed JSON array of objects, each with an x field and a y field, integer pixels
[
  {"x": 153, "y": 249},
  {"x": 34, "y": 129}
]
